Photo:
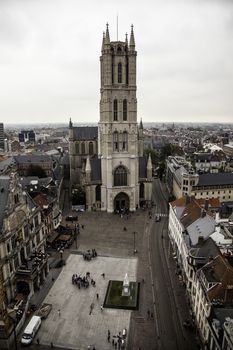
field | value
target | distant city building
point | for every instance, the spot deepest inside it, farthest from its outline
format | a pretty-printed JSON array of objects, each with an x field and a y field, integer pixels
[
  {"x": 108, "y": 161},
  {"x": 228, "y": 149},
  {"x": 27, "y": 136},
  {"x": 1, "y": 136}
]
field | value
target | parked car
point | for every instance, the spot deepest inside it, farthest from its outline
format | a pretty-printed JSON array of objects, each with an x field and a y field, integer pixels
[{"x": 71, "y": 218}]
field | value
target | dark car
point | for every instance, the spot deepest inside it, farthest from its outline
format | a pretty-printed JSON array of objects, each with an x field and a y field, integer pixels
[{"x": 71, "y": 218}]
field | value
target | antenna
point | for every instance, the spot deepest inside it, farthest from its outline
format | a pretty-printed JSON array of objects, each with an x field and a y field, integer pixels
[{"x": 117, "y": 27}]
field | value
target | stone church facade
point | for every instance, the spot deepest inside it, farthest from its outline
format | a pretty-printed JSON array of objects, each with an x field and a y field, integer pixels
[{"x": 108, "y": 160}]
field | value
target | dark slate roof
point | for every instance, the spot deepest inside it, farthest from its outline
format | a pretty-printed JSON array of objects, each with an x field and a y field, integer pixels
[
  {"x": 4, "y": 190},
  {"x": 33, "y": 158},
  {"x": 6, "y": 163},
  {"x": 215, "y": 179},
  {"x": 85, "y": 132},
  {"x": 31, "y": 181},
  {"x": 95, "y": 169},
  {"x": 205, "y": 250},
  {"x": 142, "y": 167}
]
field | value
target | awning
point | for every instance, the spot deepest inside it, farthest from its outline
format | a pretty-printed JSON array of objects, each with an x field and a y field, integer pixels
[
  {"x": 51, "y": 238},
  {"x": 64, "y": 238}
]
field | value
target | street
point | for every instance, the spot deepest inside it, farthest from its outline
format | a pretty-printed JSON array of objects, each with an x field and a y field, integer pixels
[{"x": 169, "y": 315}]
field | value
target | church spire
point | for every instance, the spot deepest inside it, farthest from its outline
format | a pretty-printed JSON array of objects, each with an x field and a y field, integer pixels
[
  {"x": 107, "y": 37},
  {"x": 132, "y": 41},
  {"x": 70, "y": 124}
]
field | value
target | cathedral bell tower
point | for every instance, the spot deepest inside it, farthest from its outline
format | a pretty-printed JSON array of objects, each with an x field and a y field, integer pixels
[{"x": 118, "y": 129}]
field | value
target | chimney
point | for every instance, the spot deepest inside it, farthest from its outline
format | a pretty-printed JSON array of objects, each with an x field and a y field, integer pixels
[
  {"x": 200, "y": 239},
  {"x": 203, "y": 213},
  {"x": 187, "y": 199},
  {"x": 206, "y": 205}
]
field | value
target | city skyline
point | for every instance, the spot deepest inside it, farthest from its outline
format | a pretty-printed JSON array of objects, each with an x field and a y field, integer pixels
[{"x": 50, "y": 59}]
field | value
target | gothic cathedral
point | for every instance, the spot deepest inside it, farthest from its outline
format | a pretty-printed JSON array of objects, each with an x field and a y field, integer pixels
[{"x": 107, "y": 161}]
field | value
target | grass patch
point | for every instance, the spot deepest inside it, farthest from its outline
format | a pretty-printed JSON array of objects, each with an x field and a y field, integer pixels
[{"x": 114, "y": 298}]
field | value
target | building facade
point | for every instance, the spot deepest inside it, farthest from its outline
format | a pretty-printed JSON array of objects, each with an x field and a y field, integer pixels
[
  {"x": 1, "y": 136},
  {"x": 115, "y": 174}
]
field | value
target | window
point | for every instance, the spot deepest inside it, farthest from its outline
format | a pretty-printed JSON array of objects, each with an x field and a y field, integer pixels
[
  {"x": 125, "y": 141},
  {"x": 115, "y": 141},
  {"x": 124, "y": 110},
  {"x": 83, "y": 147},
  {"x": 77, "y": 148},
  {"x": 115, "y": 112},
  {"x": 91, "y": 148},
  {"x": 120, "y": 176},
  {"x": 119, "y": 73}
]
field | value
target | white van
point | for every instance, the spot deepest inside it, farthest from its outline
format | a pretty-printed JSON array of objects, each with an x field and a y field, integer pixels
[{"x": 31, "y": 330}]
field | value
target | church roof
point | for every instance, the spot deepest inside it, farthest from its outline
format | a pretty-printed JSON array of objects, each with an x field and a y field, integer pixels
[
  {"x": 142, "y": 167},
  {"x": 95, "y": 169},
  {"x": 85, "y": 132}
]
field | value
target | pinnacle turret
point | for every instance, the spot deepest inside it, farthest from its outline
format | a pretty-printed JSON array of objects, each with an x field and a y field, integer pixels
[
  {"x": 132, "y": 41},
  {"x": 107, "y": 37},
  {"x": 141, "y": 125},
  {"x": 103, "y": 42},
  {"x": 70, "y": 124},
  {"x": 126, "y": 39}
]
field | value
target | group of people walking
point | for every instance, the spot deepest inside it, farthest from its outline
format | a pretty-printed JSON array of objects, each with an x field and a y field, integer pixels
[
  {"x": 90, "y": 254},
  {"x": 83, "y": 282}
]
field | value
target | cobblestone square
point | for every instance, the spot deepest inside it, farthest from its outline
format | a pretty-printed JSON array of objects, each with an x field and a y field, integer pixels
[{"x": 73, "y": 327}]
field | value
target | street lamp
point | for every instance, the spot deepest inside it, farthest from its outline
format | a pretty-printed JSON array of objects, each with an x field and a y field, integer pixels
[{"x": 134, "y": 242}]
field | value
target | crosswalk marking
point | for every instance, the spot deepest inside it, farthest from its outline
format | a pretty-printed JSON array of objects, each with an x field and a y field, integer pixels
[{"x": 161, "y": 214}]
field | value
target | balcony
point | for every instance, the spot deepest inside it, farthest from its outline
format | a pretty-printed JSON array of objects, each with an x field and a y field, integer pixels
[{"x": 32, "y": 265}]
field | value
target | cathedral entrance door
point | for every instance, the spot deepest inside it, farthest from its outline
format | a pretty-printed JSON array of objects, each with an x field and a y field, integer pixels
[{"x": 121, "y": 202}]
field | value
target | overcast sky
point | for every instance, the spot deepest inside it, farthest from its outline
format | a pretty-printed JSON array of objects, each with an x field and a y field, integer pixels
[{"x": 49, "y": 58}]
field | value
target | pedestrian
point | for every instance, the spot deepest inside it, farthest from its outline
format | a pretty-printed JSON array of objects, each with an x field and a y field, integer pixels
[
  {"x": 113, "y": 342},
  {"x": 148, "y": 313},
  {"x": 151, "y": 315},
  {"x": 143, "y": 281},
  {"x": 101, "y": 308},
  {"x": 97, "y": 296},
  {"x": 93, "y": 348},
  {"x": 103, "y": 275},
  {"x": 59, "y": 312},
  {"x": 51, "y": 345},
  {"x": 108, "y": 332},
  {"x": 109, "y": 338},
  {"x": 38, "y": 341}
]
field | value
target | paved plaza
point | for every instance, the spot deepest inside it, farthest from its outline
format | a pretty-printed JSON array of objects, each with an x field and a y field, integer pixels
[{"x": 73, "y": 327}]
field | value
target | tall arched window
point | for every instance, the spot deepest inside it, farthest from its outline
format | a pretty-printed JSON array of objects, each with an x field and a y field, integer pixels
[
  {"x": 77, "y": 147},
  {"x": 124, "y": 110},
  {"x": 120, "y": 176},
  {"x": 119, "y": 73},
  {"x": 115, "y": 141},
  {"x": 83, "y": 147},
  {"x": 91, "y": 148},
  {"x": 125, "y": 141},
  {"x": 115, "y": 110}
]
